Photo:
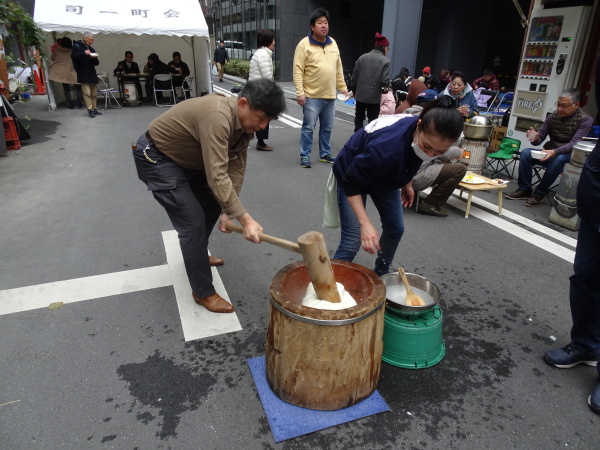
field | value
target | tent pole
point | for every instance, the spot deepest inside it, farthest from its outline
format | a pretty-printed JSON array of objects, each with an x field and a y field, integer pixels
[{"x": 195, "y": 68}]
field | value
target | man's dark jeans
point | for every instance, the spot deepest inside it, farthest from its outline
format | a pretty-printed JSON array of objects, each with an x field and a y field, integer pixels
[{"x": 190, "y": 204}]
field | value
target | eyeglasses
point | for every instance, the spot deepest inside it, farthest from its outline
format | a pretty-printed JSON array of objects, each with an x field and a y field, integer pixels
[{"x": 563, "y": 105}]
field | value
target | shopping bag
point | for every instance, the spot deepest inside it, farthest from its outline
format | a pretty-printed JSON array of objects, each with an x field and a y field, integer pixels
[
  {"x": 331, "y": 213},
  {"x": 215, "y": 72}
]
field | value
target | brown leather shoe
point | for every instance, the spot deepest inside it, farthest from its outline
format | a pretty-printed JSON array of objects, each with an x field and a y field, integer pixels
[
  {"x": 264, "y": 148},
  {"x": 214, "y": 262},
  {"x": 214, "y": 303},
  {"x": 535, "y": 200},
  {"x": 518, "y": 195}
]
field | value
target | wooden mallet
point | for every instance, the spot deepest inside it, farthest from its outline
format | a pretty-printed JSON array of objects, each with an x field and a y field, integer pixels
[{"x": 312, "y": 247}]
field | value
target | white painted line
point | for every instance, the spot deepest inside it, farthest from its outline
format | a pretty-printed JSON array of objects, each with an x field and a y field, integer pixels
[
  {"x": 222, "y": 90},
  {"x": 511, "y": 228},
  {"x": 86, "y": 288},
  {"x": 289, "y": 122},
  {"x": 197, "y": 322},
  {"x": 557, "y": 235},
  {"x": 292, "y": 119}
]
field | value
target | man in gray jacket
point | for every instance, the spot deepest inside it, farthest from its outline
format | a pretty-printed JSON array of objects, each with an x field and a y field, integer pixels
[{"x": 371, "y": 74}]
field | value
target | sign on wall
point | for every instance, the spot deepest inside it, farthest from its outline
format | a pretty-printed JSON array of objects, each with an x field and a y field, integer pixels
[{"x": 530, "y": 104}]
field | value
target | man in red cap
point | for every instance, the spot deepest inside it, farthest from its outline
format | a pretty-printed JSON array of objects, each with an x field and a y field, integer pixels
[
  {"x": 371, "y": 75},
  {"x": 426, "y": 74}
]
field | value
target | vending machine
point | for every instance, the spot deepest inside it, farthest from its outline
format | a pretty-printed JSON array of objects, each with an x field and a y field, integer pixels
[{"x": 550, "y": 62}]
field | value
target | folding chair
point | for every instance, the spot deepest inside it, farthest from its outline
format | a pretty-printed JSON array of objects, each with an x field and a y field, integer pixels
[
  {"x": 160, "y": 83},
  {"x": 538, "y": 173},
  {"x": 107, "y": 92},
  {"x": 187, "y": 87},
  {"x": 504, "y": 160},
  {"x": 505, "y": 102},
  {"x": 489, "y": 93}
]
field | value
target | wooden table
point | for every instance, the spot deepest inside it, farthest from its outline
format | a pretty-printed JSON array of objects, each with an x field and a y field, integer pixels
[{"x": 487, "y": 186}]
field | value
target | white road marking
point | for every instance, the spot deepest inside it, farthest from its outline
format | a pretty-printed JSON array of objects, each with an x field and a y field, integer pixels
[
  {"x": 536, "y": 226},
  {"x": 283, "y": 118},
  {"x": 197, "y": 322},
  {"x": 497, "y": 221},
  {"x": 288, "y": 120},
  {"x": 86, "y": 288}
]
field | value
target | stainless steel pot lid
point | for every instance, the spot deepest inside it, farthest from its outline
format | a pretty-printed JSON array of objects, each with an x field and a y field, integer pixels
[{"x": 585, "y": 146}]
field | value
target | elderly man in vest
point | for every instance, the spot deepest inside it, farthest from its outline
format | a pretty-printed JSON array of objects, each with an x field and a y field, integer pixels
[{"x": 567, "y": 125}]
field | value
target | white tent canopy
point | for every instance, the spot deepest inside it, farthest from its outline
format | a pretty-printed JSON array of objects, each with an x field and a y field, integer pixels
[{"x": 120, "y": 25}]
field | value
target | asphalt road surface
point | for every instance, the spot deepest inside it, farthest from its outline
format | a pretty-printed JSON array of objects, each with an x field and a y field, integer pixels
[{"x": 129, "y": 361}]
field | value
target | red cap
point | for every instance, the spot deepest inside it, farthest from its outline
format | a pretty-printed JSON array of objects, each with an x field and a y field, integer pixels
[
  {"x": 427, "y": 70},
  {"x": 381, "y": 40}
]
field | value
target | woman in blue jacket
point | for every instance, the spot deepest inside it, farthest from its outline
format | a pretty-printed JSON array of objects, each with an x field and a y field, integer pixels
[
  {"x": 380, "y": 160},
  {"x": 460, "y": 90}
]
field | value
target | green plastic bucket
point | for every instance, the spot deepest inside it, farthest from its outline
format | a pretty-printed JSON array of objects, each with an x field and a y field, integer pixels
[{"x": 413, "y": 341}]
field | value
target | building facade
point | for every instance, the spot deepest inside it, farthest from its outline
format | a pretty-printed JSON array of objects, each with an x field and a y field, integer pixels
[{"x": 434, "y": 33}]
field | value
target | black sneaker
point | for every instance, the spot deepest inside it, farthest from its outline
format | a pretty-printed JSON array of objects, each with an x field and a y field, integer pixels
[
  {"x": 327, "y": 159},
  {"x": 91, "y": 114},
  {"x": 98, "y": 113},
  {"x": 569, "y": 356},
  {"x": 305, "y": 162},
  {"x": 518, "y": 195}
]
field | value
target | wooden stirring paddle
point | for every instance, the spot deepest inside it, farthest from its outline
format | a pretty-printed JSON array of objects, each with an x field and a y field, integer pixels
[{"x": 412, "y": 299}]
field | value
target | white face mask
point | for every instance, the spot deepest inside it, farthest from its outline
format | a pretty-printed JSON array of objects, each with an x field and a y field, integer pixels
[{"x": 420, "y": 153}]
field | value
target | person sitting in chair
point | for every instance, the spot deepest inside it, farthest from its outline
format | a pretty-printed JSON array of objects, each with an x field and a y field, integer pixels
[
  {"x": 442, "y": 173},
  {"x": 567, "y": 125},
  {"x": 154, "y": 67},
  {"x": 178, "y": 67},
  {"x": 127, "y": 66}
]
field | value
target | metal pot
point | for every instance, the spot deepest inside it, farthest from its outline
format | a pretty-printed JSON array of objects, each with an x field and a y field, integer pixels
[
  {"x": 473, "y": 131},
  {"x": 392, "y": 280},
  {"x": 480, "y": 120},
  {"x": 580, "y": 152}
]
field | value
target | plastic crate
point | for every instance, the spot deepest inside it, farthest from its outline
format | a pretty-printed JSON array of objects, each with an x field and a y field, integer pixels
[{"x": 10, "y": 134}]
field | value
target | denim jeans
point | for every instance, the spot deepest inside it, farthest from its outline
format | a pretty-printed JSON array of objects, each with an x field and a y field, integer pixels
[
  {"x": 554, "y": 167},
  {"x": 324, "y": 110},
  {"x": 585, "y": 289},
  {"x": 389, "y": 206}
]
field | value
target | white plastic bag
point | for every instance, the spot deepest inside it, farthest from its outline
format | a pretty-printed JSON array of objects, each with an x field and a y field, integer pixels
[
  {"x": 215, "y": 72},
  {"x": 331, "y": 213}
]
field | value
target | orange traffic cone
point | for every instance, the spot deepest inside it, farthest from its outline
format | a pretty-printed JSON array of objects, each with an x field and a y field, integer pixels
[{"x": 39, "y": 86}]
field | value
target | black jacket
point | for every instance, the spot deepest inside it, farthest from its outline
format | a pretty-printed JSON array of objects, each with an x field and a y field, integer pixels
[
  {"x": 133, "y": 69},
  {"x": 221, "y": 55},
  {"x": 185, "y": 70},
  {"x": 85, "y": 65},
  {"x": 588, "y": 190}
]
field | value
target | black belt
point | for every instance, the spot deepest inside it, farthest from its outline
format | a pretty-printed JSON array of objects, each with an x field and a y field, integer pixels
[{"x": 149, "y": 138}]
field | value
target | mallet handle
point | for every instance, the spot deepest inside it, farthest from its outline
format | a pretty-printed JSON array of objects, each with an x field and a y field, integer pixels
[{"x": 287, "y": 245}]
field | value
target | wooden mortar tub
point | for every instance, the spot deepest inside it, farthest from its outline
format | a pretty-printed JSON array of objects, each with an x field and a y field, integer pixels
[{"x": 324, "y": 359}]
